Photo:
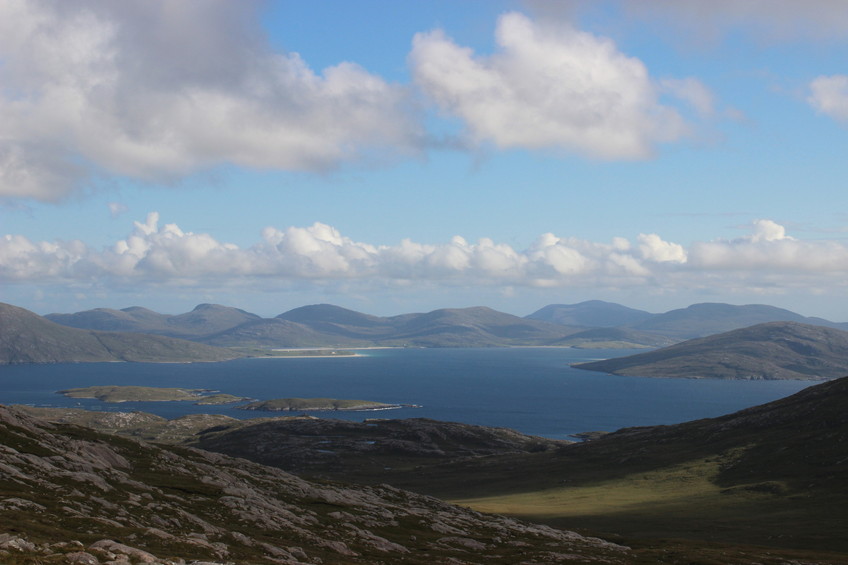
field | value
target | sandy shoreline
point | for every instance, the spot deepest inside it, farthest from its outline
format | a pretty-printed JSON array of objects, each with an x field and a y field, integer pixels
[{"x": 349, "y": 352}]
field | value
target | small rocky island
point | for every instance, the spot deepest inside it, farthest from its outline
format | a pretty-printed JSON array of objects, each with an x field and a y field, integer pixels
[
  {"x": 318, "y": 404},
  {"x": 111, "y": 393}
]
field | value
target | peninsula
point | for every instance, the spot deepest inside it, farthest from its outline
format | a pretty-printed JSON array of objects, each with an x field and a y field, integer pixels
[
  {"x": 318, "y": 404},
  {"x": 112, "y": 393}
]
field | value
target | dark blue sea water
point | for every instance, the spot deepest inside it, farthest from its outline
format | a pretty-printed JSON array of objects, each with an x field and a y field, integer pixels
[{"x": 532, "y": 390}]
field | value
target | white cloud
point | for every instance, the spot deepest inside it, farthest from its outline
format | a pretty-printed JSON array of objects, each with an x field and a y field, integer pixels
[
  {"x": 769, "y": 250},
  {"x": 153, "y": 254},
  {"x": 155, "y": 90},
  {"x": 829, "y": 96},
  {"x": 653, "y": 248},
  {"x": 549, "y": 87},
  {"x": 768, "y": 230}
]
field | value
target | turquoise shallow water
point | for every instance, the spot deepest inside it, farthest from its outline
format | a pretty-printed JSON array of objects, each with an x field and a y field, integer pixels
[{"x": 532, "y": 390}]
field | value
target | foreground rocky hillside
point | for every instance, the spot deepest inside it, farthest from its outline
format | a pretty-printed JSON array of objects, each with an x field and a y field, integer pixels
[
  {"x": 762, "y": 486},
  {"x": 73, "y": 495},
  {"x": 374, "y": 451}
]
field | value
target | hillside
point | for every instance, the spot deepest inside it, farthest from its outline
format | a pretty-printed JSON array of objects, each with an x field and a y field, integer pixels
[
  {"x": 328, "y": 325},
  {"x": 335, "y": 320},
  {"x": 135, "y": 319},
  {"x": 373, "y": 451},
  {"x": 26, "y": 337},
  {"x": 699, "y": 320},
  {"x": 776, "y": 350},
  {"x": 277, "y": 332},
  {"x": 204, "y": 320},
  {"x": 765, "y": 485},
  {"x": 472, "y": 327},
  {"x": 771, "y": 475},
  {"x": 73, "y": 495},
  {"x": 591, "y": 314},
  {"x": 614, "y": 338}
]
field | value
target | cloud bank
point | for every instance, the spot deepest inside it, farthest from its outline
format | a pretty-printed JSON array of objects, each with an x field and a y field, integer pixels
[{"x": 154, "y": 254}]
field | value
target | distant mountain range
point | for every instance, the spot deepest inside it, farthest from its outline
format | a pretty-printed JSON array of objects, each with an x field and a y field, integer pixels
[
  {"x": 327, "y": 325},
  {"x": 26, "y": 337},
  {"x": 207, "y": 332},
  {"x": 697, "y": 320},
  {"x": 587, "y": 324},
  {"x": 774, "y": 350}
]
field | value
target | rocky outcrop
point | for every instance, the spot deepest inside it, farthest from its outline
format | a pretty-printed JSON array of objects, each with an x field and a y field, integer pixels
[{"x": 73, "y": 495}]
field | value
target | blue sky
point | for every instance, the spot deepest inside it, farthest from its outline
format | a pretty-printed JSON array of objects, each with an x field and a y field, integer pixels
[{"x": 393, "y": 157}]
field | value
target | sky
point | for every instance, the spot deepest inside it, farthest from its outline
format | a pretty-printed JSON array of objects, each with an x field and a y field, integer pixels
[{"x": 394, "y": 157}]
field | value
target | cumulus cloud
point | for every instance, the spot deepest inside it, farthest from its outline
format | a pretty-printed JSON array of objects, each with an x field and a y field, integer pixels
[
  {"x": 829, "y": 96},
  {"x": 769, "y": 249},
  {"x": 154, "y": 254},
  {"x": 549, "y": 87},
  {"x": 653, "y": 248},
  {"x": 155, "y": 89}
]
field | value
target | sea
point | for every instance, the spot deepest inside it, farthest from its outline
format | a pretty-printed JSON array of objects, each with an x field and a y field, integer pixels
[{"x": 532, "y": 390}]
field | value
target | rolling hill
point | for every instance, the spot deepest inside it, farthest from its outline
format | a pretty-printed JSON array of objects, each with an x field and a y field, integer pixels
[
  {"x": 700, "y": 320},
  {"x": 614, "y": 338},
  {"x": 26, "y": 337},
  {"x": 697, "y": 320},
  {"x": 325, "y": 325},
  {"x": 591, "y": 314},
  {"x": 472, "y": 327},
  {"x": 772, "y": 475},
  {"x": 204, "y": 320},
  {"x": 775, "y": 350},
  {"x": 588, "y": 324}
]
